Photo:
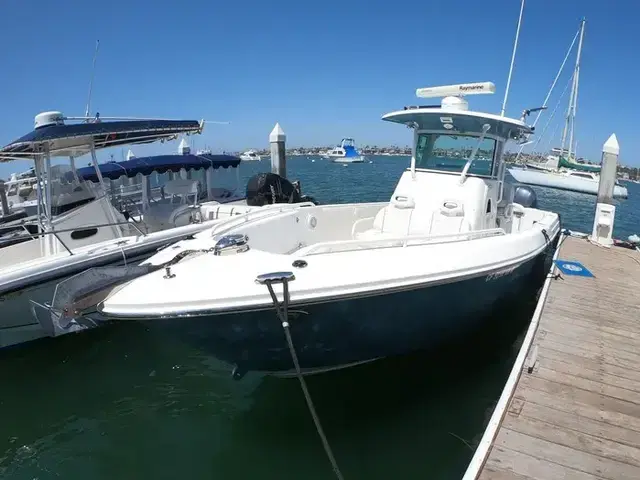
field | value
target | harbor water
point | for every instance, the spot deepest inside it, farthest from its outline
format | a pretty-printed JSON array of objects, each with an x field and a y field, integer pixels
[{"x": 120, "y": 402}]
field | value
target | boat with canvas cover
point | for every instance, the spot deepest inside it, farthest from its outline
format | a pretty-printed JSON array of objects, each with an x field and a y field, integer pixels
[
  {"x": 349, "y": 283},
  {"x": 40, "y": 251}
]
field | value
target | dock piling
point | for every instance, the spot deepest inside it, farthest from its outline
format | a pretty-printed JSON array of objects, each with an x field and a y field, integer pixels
[
  {"x": 605, "y": 209},
  {"x": 277, "y": 140}
]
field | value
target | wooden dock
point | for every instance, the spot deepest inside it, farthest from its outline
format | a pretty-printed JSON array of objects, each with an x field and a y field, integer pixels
[{"x": 575, "y": 410}]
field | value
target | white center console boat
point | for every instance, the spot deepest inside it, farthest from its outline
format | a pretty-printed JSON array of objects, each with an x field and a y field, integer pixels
[{"x": 353, "y": 282}]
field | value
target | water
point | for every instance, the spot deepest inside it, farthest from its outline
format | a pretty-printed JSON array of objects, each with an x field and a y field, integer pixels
[{"x": 123, "y": 403}]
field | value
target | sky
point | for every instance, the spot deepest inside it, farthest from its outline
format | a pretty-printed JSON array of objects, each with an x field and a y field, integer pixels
[{"x": 323, "y": 70}]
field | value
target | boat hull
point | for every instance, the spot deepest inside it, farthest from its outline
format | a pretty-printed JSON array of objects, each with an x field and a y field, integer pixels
[
  {"x": 23, "y": 321},
  {"x": 345, "y": 332},
  {"x": 541, "y": 178},
  {"x": 358, "y": 159}
]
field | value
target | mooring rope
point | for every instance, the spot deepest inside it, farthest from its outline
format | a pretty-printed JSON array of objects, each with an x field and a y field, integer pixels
[{"x": 283, "y": 315}]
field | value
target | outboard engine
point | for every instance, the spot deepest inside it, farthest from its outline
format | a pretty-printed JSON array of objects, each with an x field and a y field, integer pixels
[
  {"x": 525, "y": 196},
  {"x": 270, "y": 188}
]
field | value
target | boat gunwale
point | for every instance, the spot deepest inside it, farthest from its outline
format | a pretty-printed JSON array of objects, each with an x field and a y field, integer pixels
[{"x": 304, "y": 302}]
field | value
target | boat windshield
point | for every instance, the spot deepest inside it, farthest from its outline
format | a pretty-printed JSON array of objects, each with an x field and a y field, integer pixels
[{"x": 449, "y": 153}]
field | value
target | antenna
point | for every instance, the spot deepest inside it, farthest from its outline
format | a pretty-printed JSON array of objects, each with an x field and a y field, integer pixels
[
  {"x": 513, "y": 59},
  {"x": 456, "y": 90},
  {"x": 453, "y": 94},
  {"x": 93, "y": 68}
]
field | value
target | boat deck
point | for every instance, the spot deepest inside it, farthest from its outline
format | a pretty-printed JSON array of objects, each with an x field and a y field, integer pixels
[{"x": 575, "y": 411}]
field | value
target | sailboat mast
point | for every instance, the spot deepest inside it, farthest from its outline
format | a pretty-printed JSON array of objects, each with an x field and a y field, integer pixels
[
  {"x": 93, "y": 68},
  {"x": 575, "y": 92},
  {"x": 568, "y": 116}
]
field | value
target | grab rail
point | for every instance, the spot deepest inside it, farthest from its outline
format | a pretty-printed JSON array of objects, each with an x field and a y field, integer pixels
[
  {"x": 83, "y": 227},
  {"x": 404, "y": 241},
  {"x": 55, "y": 233}
]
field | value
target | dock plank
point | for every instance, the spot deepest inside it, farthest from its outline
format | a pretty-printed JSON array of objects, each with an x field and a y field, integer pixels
[
  {"x": 582, "y": 407},
  {"x": 509, "y": 464},
  {"x": 576, "y": 459},
  {"x": 580, "y": 423},
  {"x": 590, "y": 363},
  {"x": 577, "y": 413}
]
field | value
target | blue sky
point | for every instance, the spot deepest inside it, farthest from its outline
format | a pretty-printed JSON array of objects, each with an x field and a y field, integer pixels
[{"x": 324, "y": 70}]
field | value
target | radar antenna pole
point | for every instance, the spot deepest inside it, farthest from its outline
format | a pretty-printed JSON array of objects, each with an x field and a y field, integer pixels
[
  {"x": 93, "y": 68},
  {"x": 513, "y": 58}
]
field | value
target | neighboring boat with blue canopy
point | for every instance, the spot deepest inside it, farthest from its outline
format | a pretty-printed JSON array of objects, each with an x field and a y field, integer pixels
[
  {"x": 82, "y": 218},
  {"x": 52, "y": 137},
  {"x": 108, "y": 214},
  {"x": 160, "y": 164}
]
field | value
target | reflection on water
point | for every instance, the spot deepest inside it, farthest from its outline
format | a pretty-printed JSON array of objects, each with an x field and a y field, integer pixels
[{"x": 121, "y": 402}]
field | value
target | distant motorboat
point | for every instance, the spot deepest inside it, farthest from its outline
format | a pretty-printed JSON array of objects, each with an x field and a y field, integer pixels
[
  {"x": 250, "y": 155},
  {"x": 345, "y": 153}
]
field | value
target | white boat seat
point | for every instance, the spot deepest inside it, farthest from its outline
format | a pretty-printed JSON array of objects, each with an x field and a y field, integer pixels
[
  {"x": 449, "y": 218},
  {"x": 401, "y": 218}
]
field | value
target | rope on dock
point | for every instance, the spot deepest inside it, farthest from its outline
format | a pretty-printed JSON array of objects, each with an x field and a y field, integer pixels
[
  {"x": 632, "y": 257},
  {"x": 585, "y": 236}
]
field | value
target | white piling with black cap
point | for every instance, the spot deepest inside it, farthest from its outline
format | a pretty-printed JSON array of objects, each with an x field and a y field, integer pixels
[
  {"x": 277, "y": 140},
  {"x": 605, "y": 209}
]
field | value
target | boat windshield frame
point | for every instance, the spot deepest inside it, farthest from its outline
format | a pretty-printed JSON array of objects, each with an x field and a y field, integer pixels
[{"x": 496, "y": 154}]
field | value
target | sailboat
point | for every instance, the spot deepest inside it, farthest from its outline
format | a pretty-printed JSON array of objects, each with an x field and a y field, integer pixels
[{"x": 562, "y": 170}]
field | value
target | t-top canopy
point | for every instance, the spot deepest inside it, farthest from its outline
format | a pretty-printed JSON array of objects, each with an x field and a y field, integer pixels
[
  {"x": 157, "y": 163},
  {"x": 77, "y": 139},
  {"x": 459, "y": 122}
]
